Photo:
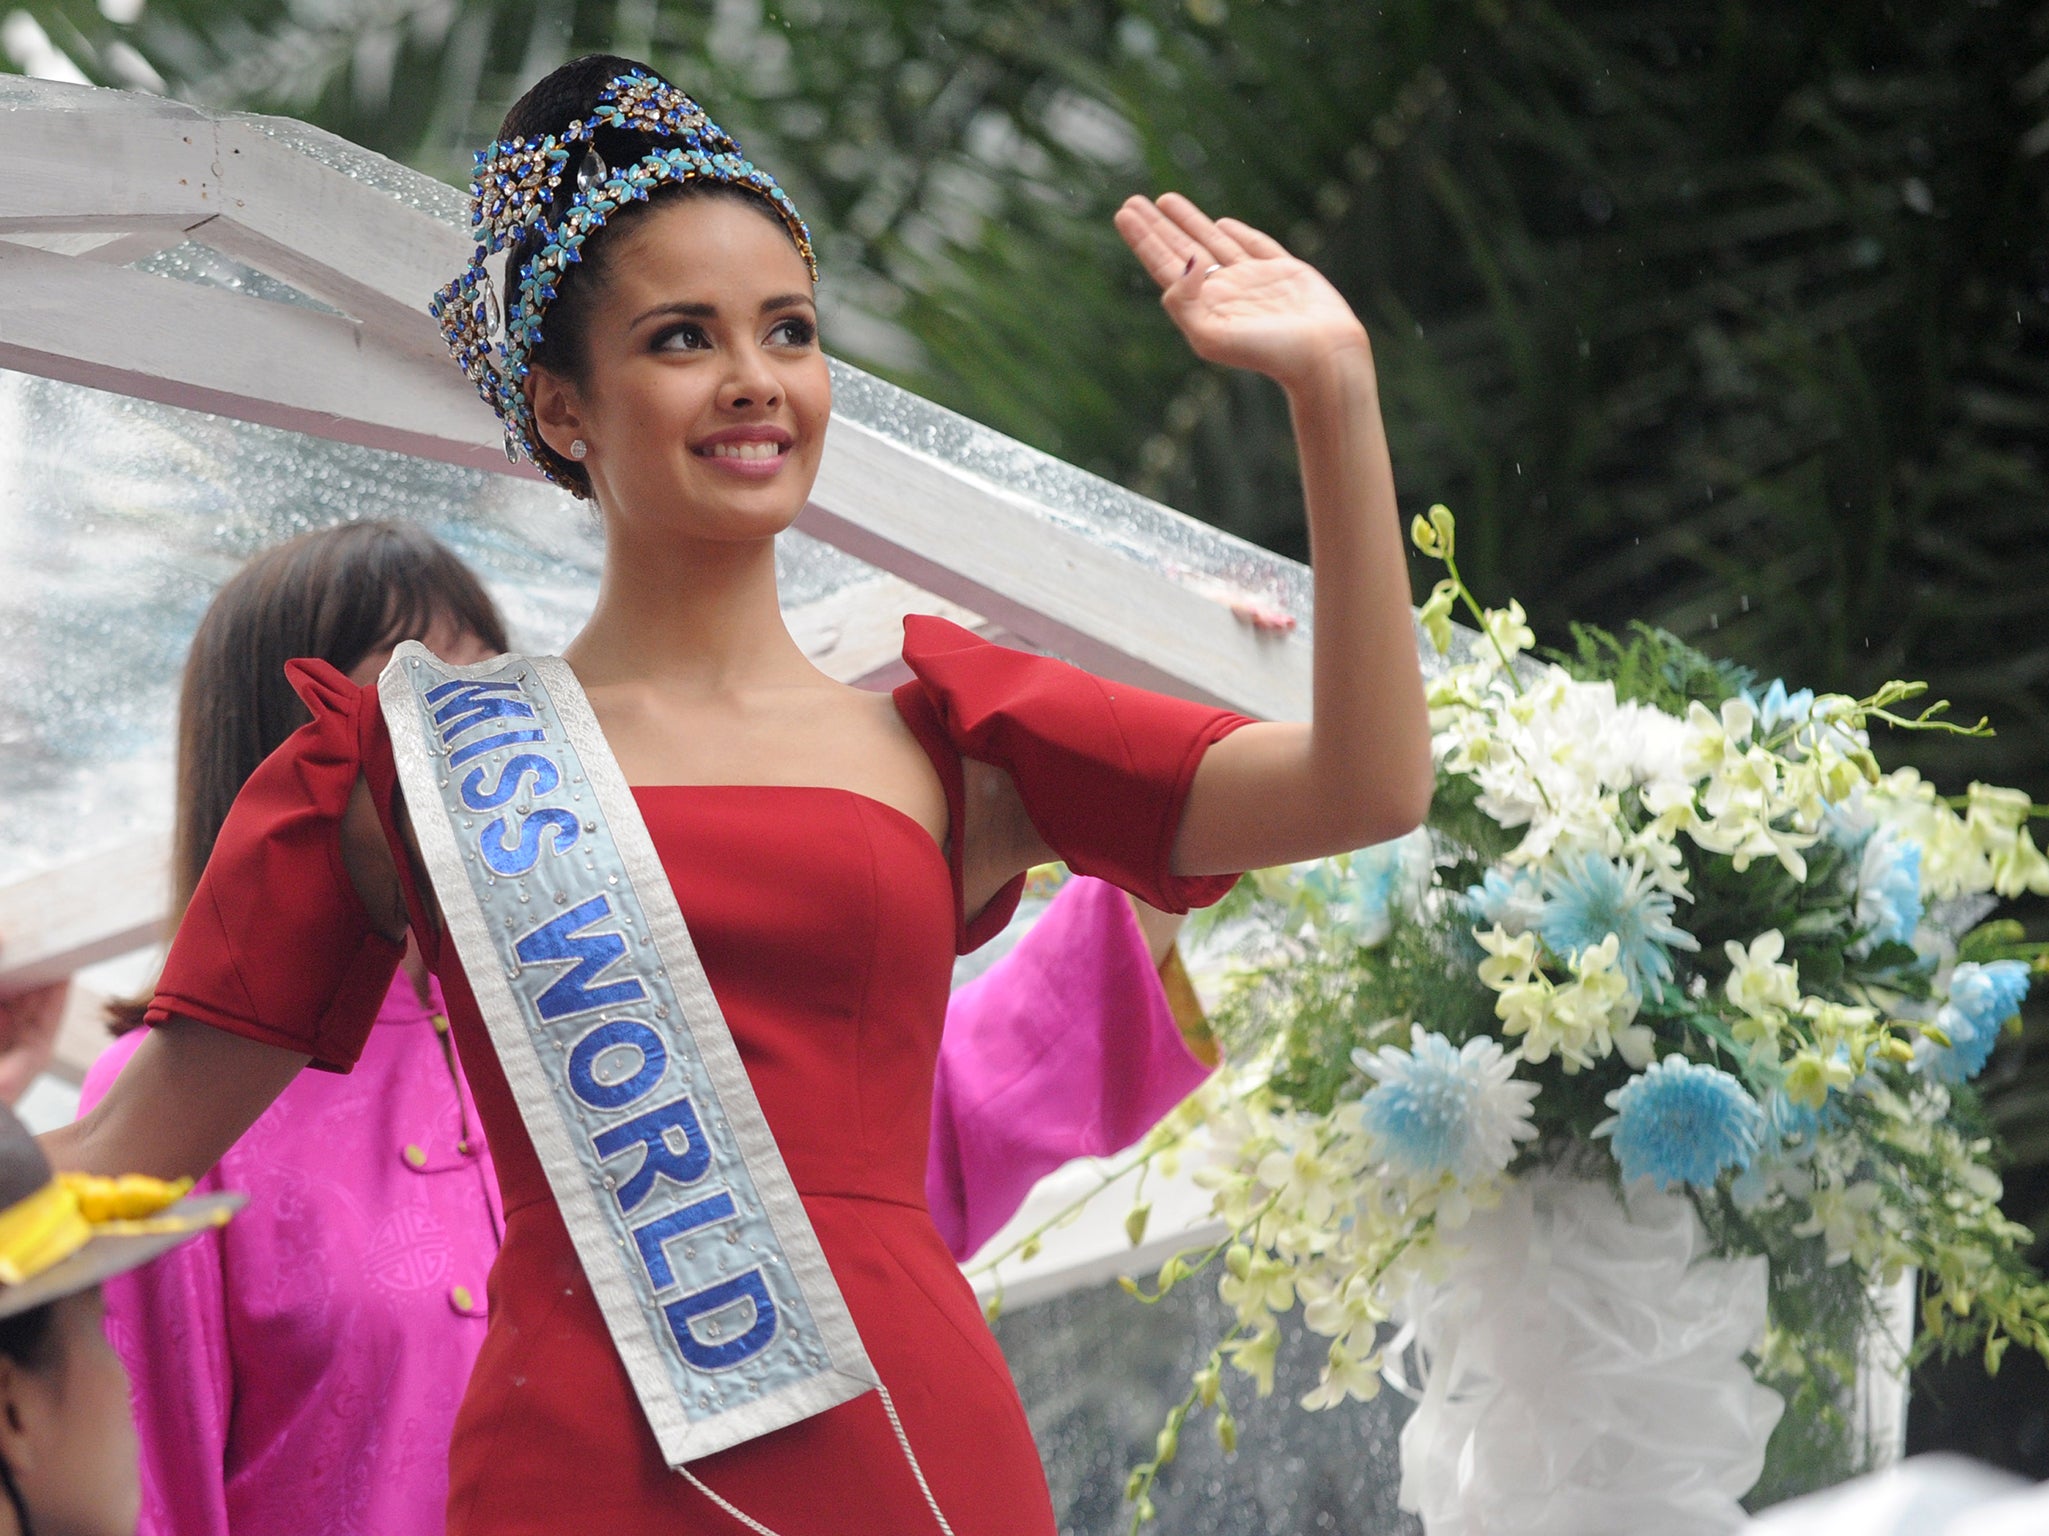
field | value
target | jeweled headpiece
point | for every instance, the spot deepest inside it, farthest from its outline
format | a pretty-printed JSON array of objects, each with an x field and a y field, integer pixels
[{"x": 516, "y": 184}]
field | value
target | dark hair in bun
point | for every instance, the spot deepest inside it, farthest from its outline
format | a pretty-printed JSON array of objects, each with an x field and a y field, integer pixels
[{"x": 560, "y": 98}]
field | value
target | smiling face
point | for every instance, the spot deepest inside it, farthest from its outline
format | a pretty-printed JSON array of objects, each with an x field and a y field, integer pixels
[{"x": 701, "y": 393}]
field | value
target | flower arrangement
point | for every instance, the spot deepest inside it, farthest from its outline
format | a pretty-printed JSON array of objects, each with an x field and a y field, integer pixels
[{"x": 1662, "y": 925}]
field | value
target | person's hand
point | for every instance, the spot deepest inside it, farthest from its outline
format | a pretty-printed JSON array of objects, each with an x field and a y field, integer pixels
[
  {"x": 28, "y": 1036},
  {"x": 1239, "y": 298}
]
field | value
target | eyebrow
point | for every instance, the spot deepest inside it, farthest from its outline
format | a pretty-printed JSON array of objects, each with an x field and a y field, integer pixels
[{"x": 699, "y": 311}]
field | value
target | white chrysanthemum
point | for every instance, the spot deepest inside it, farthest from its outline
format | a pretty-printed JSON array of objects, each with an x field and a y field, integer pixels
[
  {"x": 1557, "y": 759},
  {"x": 1438, "y": 1109},
  {"x": 1654, "y": 747}
]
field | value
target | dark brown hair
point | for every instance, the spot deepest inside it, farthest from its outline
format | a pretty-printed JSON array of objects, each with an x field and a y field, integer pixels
[
  {"x": 337, "y": 594},
  {"x": 558, "y": 99}
]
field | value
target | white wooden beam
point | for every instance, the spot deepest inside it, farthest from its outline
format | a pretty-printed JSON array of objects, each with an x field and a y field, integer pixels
[
  {"x": 64, "y": 919},
  {"x": 91, "y": 154},
  {"x": 1092, "y": 1248},
  {"x": 116, "y": 243},
  {"x": 991, "y": 550},
  {"x": 137, "y": 244},
  {"x": 208, "y": 349},
  {"x": 856, "y": 635},
  {"x": 379, "y": 378},
  {"x": 337, "y": 239}
]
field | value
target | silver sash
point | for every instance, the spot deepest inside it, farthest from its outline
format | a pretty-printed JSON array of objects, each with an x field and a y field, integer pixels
[{"x": 691, "y": 1234}]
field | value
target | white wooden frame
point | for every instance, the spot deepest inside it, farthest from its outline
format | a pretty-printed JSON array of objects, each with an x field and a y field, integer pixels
[{"x": 137, "y": 172}]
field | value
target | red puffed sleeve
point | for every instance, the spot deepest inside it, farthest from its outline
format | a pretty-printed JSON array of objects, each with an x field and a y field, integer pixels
[
  {"x": 276, "y": 945},
  {"x": 1103, "y": 768}
]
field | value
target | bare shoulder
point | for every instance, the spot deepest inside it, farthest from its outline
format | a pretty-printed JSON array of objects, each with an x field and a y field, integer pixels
[
  {"x": 880, "y": 757},
  {"x": 998, "y": 839}
]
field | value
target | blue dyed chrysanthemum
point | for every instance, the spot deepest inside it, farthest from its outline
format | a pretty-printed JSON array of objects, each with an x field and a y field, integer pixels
[
  {"x": 1792, "y": 1133},
  {"x": 1790, "y": 1123},
  {"x": 1981, "y": 999},
  {"x": 1369, "y": 904},
  {"x": 1440, "y": 1109},
  {"x": 1888, "y": 891},
  {"x": 1682, "y": 1122},
  {"x": 1587, "y": 897},
  {"x": 1779, "y": 707},
  {"x": 1990, "y": 994},
  {"x": 1378, "y": 881},
  {"x": 1510, "y": 901}
]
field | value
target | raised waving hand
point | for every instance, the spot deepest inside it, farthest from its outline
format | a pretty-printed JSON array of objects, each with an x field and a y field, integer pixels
[
  {"x": 1359, "y": 770},
  {"x": 1237, "y": 295}
]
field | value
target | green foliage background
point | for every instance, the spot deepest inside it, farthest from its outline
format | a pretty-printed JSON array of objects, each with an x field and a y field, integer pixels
[{"x": 1733, "y": 317}]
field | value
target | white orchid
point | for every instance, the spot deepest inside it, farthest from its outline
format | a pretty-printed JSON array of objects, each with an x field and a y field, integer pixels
[{"x": 1758, "y": 983}]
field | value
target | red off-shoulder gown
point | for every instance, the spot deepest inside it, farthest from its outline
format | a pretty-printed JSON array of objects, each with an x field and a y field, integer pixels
[{"x": 827, "y": 923}]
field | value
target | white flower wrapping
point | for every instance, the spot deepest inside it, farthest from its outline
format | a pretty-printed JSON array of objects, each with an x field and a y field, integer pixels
[{"x": 1580, "y": 1364}]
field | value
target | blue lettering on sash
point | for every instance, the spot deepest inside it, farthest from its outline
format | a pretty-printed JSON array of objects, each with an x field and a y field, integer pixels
[
  {"x": 557, "y": 941},
  {"x": 508, "y": 856},
  {"x": 617, "y": 1035},
  {"x": 474, "y": 703},
  {"x": 651, "y": 1130},
  {"x": 723, "y": 1356},
  {"x": 477, "y": 798},
  {"x": 441, "y": 691},
  {"x": 476, "y": 749},
  {"x": 650, "y": 1237}
]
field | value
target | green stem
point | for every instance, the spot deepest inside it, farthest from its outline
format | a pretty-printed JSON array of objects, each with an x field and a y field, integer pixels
[
  {"x": 1479, "y": 614},
  {"x": 1208, "y": 1255},
  {"x": 1137, "y": 1492},
  {"x": 1103, "y": 1181}
]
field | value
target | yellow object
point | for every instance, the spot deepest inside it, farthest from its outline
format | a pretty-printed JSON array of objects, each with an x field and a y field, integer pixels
[
  {"x": 416, "y": 1155},
  {"x": 462, "y": 1298},
  {"x": 1044, "y": 880},
  {"x": 44, "y": 1229},
  {"x": 127, "y": 1198},
  {"x": 40, "y": 1230},
  {"x": 1187, "y": 1010}
]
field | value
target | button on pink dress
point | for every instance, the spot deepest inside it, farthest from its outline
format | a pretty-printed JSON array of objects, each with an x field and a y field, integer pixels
[{"x": 300, "y": 1370}]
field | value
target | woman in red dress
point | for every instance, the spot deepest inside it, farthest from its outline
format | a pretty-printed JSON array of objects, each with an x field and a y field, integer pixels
[{"x": 831, "y": 849}]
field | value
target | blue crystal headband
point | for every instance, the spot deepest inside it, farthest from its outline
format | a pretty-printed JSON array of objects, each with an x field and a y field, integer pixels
[{"x": 516, "y": 181}]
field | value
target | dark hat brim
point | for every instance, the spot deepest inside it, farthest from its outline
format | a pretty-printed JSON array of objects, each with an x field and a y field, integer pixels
[{"x": 115, "y": 1253}]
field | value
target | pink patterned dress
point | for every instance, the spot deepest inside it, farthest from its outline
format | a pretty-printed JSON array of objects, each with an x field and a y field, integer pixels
[{"x": 299, "y": 1369}]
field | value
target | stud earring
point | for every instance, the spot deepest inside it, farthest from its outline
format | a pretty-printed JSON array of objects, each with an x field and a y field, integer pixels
[{"x": 577, "y": 450}]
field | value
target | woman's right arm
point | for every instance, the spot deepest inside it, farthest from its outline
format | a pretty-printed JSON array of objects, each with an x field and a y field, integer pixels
[
  {"x": 186, "y": 1097},
  {"x": 311, "y": 961}
]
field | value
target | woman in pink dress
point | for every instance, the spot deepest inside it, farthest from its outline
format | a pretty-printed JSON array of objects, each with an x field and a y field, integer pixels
[{"x": 306, "y": 1363}]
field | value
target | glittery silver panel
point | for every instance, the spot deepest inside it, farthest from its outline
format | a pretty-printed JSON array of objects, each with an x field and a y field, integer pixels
[{"x": 1098, "y": 1373}]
